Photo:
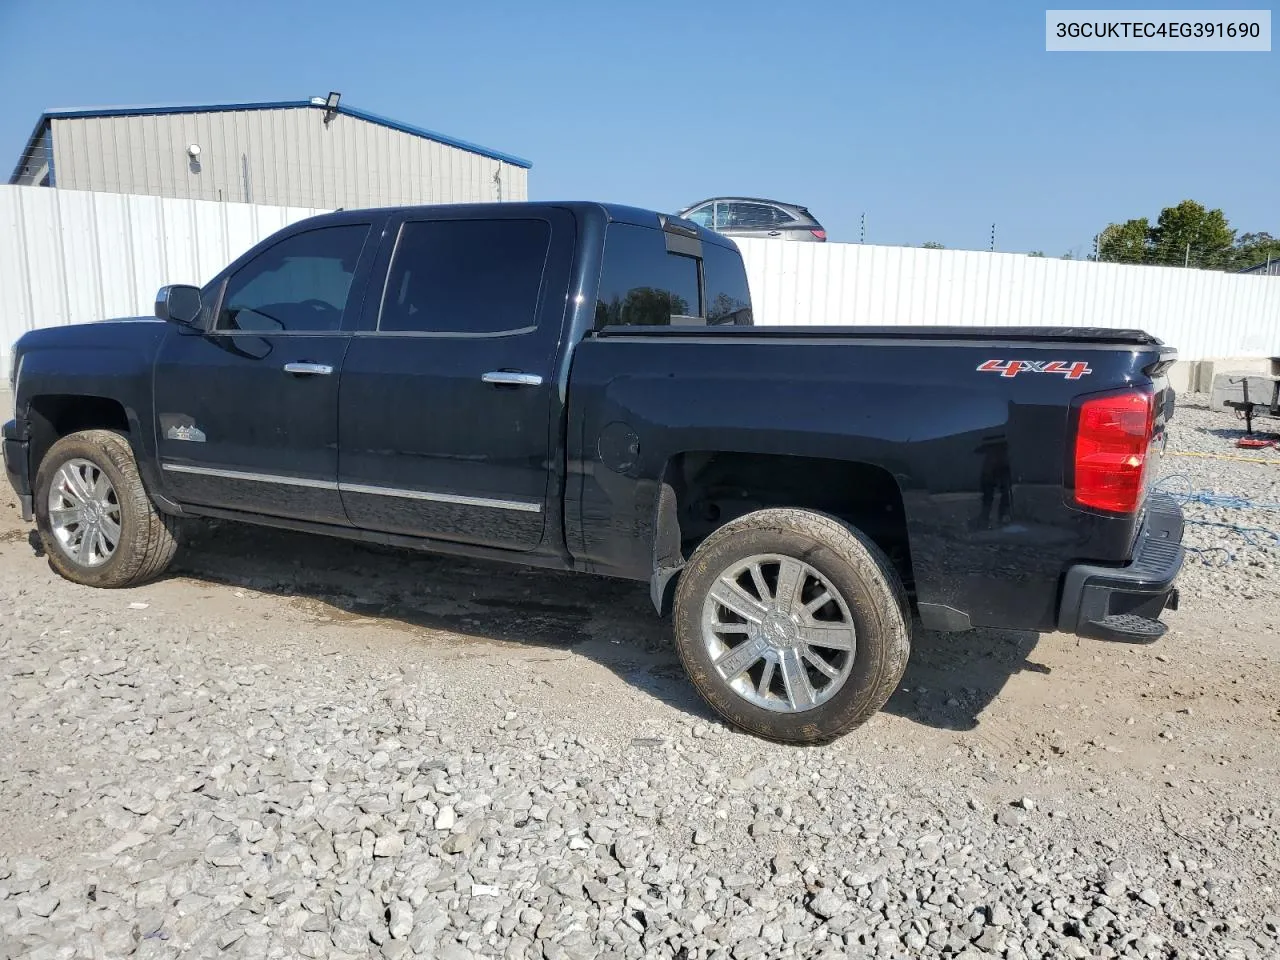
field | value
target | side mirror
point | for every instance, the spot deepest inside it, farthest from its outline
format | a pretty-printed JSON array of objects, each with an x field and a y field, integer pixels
[{"x": 179, "y": 303}]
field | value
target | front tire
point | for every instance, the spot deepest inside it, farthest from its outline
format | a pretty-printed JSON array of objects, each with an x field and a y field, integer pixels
[
  {"x": 96, "y": 522},
  {"x": 792, "y": 625}
]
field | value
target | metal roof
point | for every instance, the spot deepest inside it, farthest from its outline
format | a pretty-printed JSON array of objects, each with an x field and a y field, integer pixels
[
  {"x": 142, "y": 111},
  {"x": 1267, "y": 267}
]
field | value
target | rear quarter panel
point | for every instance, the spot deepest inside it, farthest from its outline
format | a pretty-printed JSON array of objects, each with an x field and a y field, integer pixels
[{"x": 947, "y": 433}]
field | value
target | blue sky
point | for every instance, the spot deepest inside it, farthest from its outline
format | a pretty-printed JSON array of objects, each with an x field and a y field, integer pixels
[{"x": 933, "y": 118}]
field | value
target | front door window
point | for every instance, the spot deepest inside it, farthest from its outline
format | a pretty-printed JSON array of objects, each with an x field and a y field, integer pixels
[{"x": 299, "y": 285}]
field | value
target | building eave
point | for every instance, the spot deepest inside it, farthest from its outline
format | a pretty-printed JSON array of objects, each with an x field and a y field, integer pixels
[{"x": 46, "y": 119}]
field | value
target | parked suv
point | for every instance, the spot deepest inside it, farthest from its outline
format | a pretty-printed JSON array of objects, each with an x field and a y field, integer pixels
[{"x": 752, "y": 217}]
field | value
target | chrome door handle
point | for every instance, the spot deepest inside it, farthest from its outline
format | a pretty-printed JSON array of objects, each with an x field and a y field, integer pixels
[
  {"x": 309, "y": 369},
  {"x": 511, "y": 378}
]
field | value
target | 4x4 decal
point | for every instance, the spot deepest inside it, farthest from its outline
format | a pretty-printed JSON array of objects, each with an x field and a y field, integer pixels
[{"x": 1071, "y": 369}]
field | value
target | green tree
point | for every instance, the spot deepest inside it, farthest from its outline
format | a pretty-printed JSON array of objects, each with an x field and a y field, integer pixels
[
  {"x": 1036, "y": 253},
  {"x": 1127, "y": 242},
  {"x": 1254, "y": 248},
  {"x": 1188, "y": 233},
  {"x": 932, "y": 245},
  {"x": 1067, "y": 256}
]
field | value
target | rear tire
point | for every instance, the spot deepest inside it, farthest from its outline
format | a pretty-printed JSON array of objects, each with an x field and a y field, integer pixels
[
  {"x": 792, "y": 625},
  {"x": 98, "y": 526}
]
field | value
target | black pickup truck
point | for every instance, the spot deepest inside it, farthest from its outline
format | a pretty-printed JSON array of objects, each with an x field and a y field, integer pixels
[{"x": 580, "y": 386}]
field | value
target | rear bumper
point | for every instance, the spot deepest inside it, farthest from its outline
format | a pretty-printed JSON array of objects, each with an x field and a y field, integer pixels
[
  {"x": 17, "y": 465},
  {"x": 1125, "y": 603}
]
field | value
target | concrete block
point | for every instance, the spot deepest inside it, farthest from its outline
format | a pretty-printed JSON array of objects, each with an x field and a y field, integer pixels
[
  {"x": 1230, "y": 385},
  {"x": 1208, "y": 371},
  {"x": 1182, "y": 376}
]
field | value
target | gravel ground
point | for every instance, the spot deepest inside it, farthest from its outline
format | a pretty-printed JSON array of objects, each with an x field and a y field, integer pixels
[
  {"x": 296, "y": 747},
  {"x": 1237, "y": 542}
]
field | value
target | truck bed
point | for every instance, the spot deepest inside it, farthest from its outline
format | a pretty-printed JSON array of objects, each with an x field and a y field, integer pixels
[
  {"x": 1079, "y": 335},
  {"x": 937, "y": 418}
]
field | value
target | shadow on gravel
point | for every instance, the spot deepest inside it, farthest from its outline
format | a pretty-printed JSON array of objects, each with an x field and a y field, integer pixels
[
  {"x": 463, "y": 601},
  {"x": 950, "y": 679}
]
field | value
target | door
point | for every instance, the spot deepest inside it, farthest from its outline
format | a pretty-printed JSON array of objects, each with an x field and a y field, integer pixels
[
  {"x": 247, "y": 407},
  {"x": 448, "y": 389}
]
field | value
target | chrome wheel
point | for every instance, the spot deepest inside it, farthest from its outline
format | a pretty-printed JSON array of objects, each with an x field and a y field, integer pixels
[
  {"x": 84, "y": 513},
  {"x": 778, "y": 633}
]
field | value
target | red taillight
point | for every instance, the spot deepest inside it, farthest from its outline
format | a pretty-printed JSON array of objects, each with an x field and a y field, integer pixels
[
  {"x": 820, "y": 234},
  {"x": 1112, "y": 443}
]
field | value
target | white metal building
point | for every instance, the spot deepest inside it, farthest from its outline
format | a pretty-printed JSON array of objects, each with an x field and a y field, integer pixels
[{"x": 308, "y": 153}]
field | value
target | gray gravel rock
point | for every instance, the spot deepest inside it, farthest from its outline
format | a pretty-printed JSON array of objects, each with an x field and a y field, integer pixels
[
  {"x": 400, "y": 919},
  {"x": 827, "y": 904}
]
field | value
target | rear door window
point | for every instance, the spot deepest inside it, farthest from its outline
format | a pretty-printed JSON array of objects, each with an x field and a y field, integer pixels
[{"x": 466, "y": 277}]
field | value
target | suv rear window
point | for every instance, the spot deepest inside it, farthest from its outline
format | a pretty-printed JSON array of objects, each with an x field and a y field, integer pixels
[
  {"x": 756, "y": 215},
  {"x": 644, "y": 284}
]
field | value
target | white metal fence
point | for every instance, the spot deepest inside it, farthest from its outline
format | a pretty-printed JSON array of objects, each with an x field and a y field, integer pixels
[
  {"x": 1204, "y": 314},
  {"x": 70, "y": 256}
]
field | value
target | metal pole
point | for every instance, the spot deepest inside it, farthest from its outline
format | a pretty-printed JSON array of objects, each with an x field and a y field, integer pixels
[
  {"x": 862, "y": 228},
  {"x": 1186, "y": 261},
  {"x": 993, "y": 238}
]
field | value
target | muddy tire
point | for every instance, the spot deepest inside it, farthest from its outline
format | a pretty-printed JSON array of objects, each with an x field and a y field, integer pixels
[
  {"x": 96, "y": 522},
  {"x": 792, "y": 625}
]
